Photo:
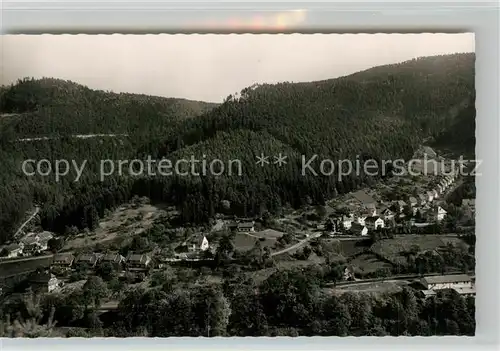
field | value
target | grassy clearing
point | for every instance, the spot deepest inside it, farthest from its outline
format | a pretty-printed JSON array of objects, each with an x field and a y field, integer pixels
[
  {"x": 376, "y": 288},
  {"x": 393, "y": 249},
  {"x": 345, "y": 248},
  {"x": 269, "y": 234},
  {"x": 245, "y": 242},
  {"x": 123, "y": 223},
  {"x": 369, "y": 263}
]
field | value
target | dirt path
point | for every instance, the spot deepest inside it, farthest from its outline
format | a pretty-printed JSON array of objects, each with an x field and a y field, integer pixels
[
  {"x": 296, "y": 246},
  {"x": 77, "y": 136}
]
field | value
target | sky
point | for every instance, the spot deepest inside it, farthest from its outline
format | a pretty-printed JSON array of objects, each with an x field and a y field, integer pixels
[{"x": 209, "y": 67}]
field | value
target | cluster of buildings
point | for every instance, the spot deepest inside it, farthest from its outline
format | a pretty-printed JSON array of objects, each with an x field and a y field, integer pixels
[
  {"x": 461, "y": 283},
  {"x": 133, "y": 262},
  {"x": 368, "y": 215},
  {"x": 31, "y": 244}
]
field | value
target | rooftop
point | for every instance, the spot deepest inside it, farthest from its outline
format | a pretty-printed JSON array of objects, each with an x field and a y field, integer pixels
[
  {"x": 245, "y": 225},
  {"x": 110, "y": 257},
  {"x": 465, "y": 291},
  {"x": 64, "y": 257},
  {"x": 428, "y": 292},
  {"x": 138, "y": 258},
  {"x": 443, "y": 279}
]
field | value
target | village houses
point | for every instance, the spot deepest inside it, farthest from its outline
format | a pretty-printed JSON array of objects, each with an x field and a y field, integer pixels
[
  {"x": 430, "y": 196},
  {"x": 358, "y": 229},
  {"x": 360, "y": 218},
  {"x": 370, "y": 209},
  {"x": 422, "y": 199},
  {"x": 460, "y": 283},
  {"x": 63, "y": 261},
  {"x": 138, "y": 262},
  {"x": 36, "y": 242},
  {"x": 436, "y": 214},
  {"x": 115, "y": 259},
  {"x": 87, "y": 260},
  {"x": 43, "y": 282},
  {"x": 374, "y": 223},
  {"x": 13, "y": 250},
  {"x": 346, "y": 222},
  {"x": 197, "y": 242},
  {"x": 387, "y": 214},
  {"x": 413, "y": 201},
  {"x": 400, "y": 205}
]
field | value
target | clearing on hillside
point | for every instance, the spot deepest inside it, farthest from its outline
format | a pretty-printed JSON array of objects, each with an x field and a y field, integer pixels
[
  {"x": 126, "y": 221},
  {"x": 394, "y": 249}
]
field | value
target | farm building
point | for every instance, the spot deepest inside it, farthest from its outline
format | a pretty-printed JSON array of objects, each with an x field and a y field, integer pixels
[
  {"x": 440, "y": 282},
  {"x": 63, "y": 260}
]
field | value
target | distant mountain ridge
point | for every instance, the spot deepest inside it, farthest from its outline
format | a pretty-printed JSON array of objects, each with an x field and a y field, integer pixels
[{"x": 52, "y": 107}]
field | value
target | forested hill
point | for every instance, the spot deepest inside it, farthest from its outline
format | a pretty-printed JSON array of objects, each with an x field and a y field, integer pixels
[
  {"x": 393, "y": 104},
  {"x": 380, "y": 113},
  {"x": 460, "y": 137},
  {"x": 54, "y": 107}
]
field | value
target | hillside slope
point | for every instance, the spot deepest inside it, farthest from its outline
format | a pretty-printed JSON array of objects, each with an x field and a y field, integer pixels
[{"x": 382, "y": 113}]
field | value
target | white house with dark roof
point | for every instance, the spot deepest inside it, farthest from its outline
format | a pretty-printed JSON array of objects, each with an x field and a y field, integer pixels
[
  {"x": 360, "y": 218},
  {"x": 387, "y": 214},
  {"x": 13, "y": 250},
  {"x": 43, "y": 282},
  {"x": 246, "y": 227},
  {"x": 358, "y": 229},
  {"x": 429, "y": 196},
  {"x": 197, "y": 242},
  {"x": 374, "y": 223},
  {"x": 436, "y": 214},
  {"x": 346, "y": 222}
]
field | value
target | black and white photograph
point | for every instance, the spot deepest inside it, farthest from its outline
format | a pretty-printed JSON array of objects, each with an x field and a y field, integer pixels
[{"x": 231, "y": 185}]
